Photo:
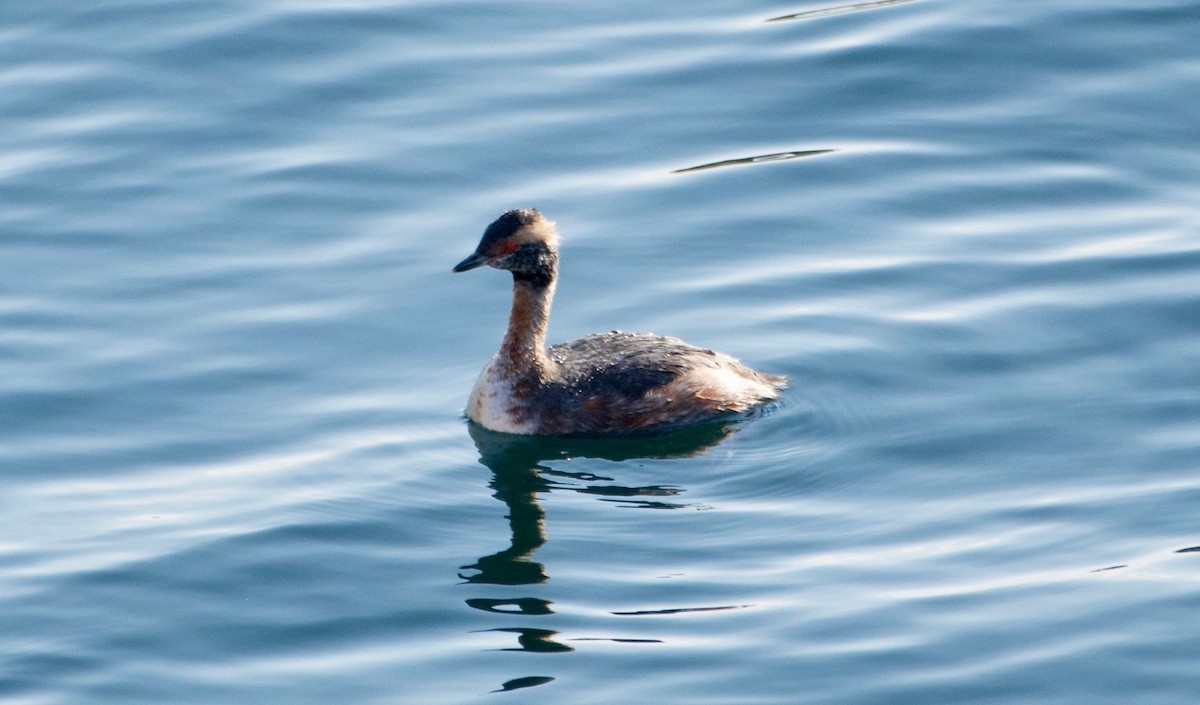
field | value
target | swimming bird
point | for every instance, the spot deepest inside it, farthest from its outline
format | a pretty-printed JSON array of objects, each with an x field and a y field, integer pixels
[{"x": 605, "y": 383}]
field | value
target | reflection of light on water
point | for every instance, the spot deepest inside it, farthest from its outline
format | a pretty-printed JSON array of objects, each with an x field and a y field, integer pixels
[
  {"x": 775, "y": 269},
  {"x": 965, "y": 309},
  {"x": 1107, "y": 246}
]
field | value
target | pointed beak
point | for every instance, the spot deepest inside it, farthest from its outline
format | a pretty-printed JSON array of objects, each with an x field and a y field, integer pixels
[{"x": 476, "y": 260}]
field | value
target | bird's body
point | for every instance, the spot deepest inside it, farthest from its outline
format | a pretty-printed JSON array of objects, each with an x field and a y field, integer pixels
[{"x": 598, "y": 384}]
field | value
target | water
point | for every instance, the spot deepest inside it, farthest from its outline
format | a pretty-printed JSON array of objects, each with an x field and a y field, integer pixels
[{"x": 234, "y": 463}]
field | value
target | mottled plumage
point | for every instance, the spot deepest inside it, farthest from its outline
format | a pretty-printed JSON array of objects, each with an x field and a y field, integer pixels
[{"x": 604, "y": 383}]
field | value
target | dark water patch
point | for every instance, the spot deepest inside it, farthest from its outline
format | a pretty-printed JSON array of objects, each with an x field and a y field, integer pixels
[
  {"x": 618, "y": 491},
  {"x": 525, "y": 682},
  {"x": 841, "y": 9},
  {"x": 648, "y": 504},
  {"x": 619, "y": 640},
  {"x": 762, "y": 158},
  {"x": 681, "y": 610},
  {"x": 506, "y": 449},
  {"x": 538, "y": 641}
]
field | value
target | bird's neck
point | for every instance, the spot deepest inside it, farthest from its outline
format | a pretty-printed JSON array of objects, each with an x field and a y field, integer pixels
[{"x": 523, "y": 350}]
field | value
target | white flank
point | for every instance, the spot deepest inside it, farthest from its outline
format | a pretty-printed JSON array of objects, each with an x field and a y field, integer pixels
[{"x": 490, "y": 401}]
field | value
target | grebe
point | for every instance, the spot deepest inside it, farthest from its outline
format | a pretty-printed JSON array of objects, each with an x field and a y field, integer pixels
[{"x": 598, "y": 384}]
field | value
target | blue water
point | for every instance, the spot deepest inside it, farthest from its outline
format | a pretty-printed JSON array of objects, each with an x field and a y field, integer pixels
[{"x": 234, "y": 463}]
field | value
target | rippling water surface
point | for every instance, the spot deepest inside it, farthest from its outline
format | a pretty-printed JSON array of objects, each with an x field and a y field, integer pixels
[{"x": 234, "y": 360}]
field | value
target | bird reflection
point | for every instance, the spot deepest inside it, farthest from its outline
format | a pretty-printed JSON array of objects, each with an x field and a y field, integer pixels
[
  {"x": 519, "y": 476},
  {"x": 517, "y": 485},
  {"x": 538, "y": 641}
]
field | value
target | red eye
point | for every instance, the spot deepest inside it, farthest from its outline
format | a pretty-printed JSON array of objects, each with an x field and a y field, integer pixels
[{"x": 510, "y": 246}]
